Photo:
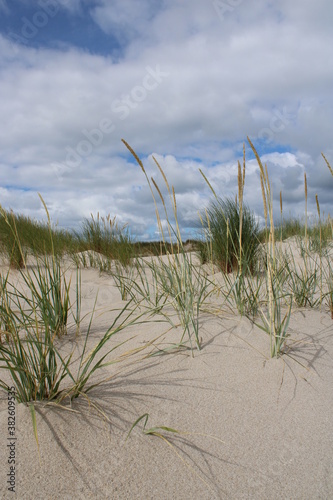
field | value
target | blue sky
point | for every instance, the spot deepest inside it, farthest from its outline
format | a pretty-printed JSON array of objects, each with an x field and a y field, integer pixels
[
  {"x": 50, "y": 24},
  {"x": 185, "y": 82}
]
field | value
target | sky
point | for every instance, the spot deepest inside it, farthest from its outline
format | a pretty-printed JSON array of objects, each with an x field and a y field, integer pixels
[{"x": 182, "y": 81}]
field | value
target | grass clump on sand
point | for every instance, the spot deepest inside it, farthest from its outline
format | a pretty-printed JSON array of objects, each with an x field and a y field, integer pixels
[
  {"x": 231, "y": 229},
  {"x": 32, "y": 325},
  {"x": 296, "y": 228},
  {"x": 275, "y": 320},
  {"x": 224, "y": 230},
  {"x": 105, "y": 236},
  {"x": 32, "y": 328},
  {"x": 35, "y": 237},
  {"x": 177, "y": 283}
]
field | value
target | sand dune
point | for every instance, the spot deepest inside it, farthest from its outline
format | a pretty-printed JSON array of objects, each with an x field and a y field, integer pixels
[{"x": 252, "y": 426}]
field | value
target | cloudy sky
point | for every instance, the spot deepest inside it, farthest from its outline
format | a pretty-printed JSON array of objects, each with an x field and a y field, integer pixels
[{"x": 185, "y": 81}]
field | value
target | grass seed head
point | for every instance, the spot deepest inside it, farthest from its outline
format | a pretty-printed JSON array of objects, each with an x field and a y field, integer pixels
[
  {"x": 318, "y": 207},
  {"x": 263, "y": 195},
  {"x": 327, "y": 163},
  {"x": 135, "y": 155},
  {"x": 281, "y": 202}
]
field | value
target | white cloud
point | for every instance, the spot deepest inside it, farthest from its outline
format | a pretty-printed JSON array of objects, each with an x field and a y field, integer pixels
[{"x": 263, "y": 71}]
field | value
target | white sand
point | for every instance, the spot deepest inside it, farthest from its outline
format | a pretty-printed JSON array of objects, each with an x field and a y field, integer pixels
[{"x": 258, "y": 428}]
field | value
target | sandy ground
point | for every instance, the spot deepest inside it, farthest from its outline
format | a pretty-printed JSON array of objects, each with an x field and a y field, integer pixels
[{"x": 251, "y": 426}]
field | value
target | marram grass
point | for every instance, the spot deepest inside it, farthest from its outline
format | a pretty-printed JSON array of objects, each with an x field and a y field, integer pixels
[
  {"x": 33, "y": 324},
  {"x": 183, "y": 287},
  {"x": 172, "y": 281}
]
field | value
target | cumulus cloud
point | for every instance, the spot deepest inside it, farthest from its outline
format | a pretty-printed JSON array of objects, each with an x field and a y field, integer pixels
[{"x": 191, "y": 81}]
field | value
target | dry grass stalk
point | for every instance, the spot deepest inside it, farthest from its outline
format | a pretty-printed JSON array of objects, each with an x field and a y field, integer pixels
[
  {"x": 183, "y": 287},
  {"x": 267, "y": 179},
  {"x": 327, "y": 163},
  {"x": 151, "y": 189},
  {"x": 320, "y": 252},
  {"x": 275, "y": 326},
  {"x": 208, "y": 183},
  {"x": 271, "y": 263},
  {"x": 135, "y": 156},
  {"x": 244, "y": 163},
  {"x": 158, "y": 190},
  {"x": 318, "y": 206},
  {"x": 281, "y": 203},
  {"x": 159, "y": 222},
  {"x": 263, "y": 181},
  {"x": 281, "y": 212},
  {"x": 241, "y": 178},
  {"x": 240, "y": 183},
  {"x": 210, "y": 241},
  {"x": 306, "y": 208},
  {"x": 163, "y": 174},
  {"x": 227, "y": 259},
  {"x": 176, "y": 218},
  {"x": 174, "y": 209},
  {"x": 208, "y": 236},
  {"x": 263, "y": 198}
]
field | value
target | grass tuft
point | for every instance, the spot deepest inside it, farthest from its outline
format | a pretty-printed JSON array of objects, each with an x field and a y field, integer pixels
[{"x": 234, "y": 235}]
